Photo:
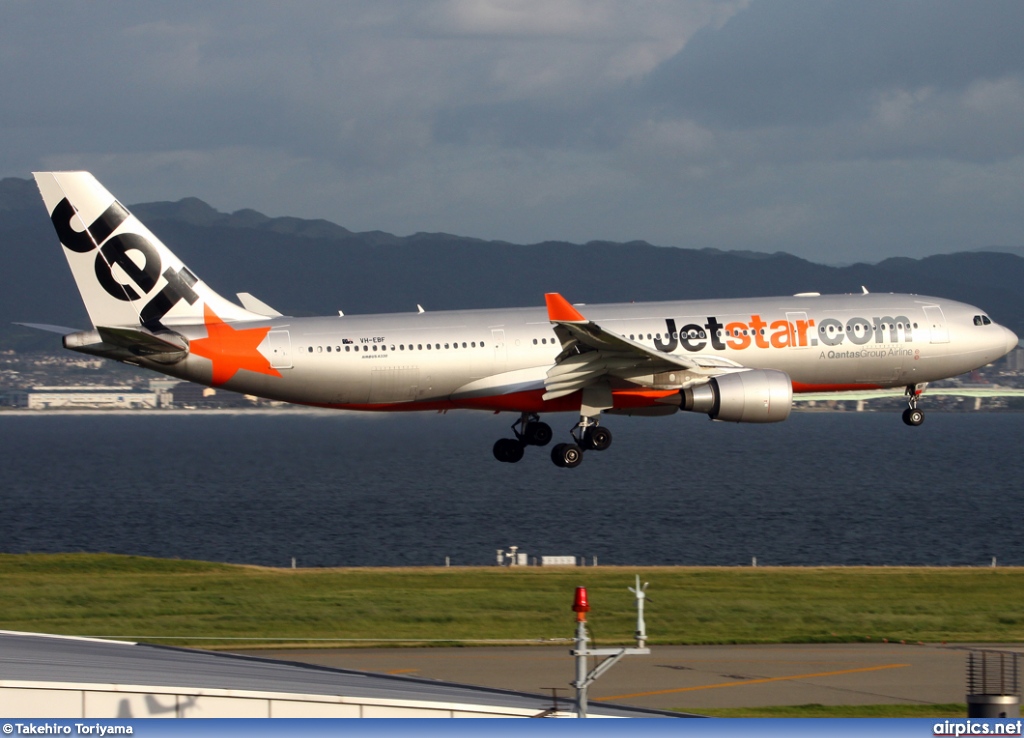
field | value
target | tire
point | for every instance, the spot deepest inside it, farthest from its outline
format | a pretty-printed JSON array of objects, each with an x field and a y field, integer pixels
[
  {"x": 515, "y": 452},
  {"x": 567, "y": 455},
  {"x": 538, "y": 433},
  {"x": 913, "y": 417},
  {"x": 598, "y": 438},
  {"x": 572, "y": 456},
  {"x": 508, "y": 450}
]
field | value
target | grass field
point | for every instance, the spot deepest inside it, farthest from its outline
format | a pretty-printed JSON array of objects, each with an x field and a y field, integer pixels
[{"x": 200, "y": 603}]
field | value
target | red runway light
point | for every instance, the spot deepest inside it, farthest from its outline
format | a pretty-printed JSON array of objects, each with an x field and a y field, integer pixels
[{"x": 579, "y": 604}]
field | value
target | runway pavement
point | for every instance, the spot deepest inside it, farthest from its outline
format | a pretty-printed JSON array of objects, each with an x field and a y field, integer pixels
[{"x": 689, "y": 677}]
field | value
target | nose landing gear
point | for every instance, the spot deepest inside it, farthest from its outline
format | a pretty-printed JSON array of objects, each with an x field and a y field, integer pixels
[{"x": 912, "y": 416}]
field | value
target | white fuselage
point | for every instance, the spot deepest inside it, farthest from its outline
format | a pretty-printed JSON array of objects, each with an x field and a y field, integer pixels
[{"x": 497, "y": 359}]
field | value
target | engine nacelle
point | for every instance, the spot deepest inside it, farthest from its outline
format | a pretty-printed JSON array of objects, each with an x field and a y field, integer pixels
[{"x": 755, "y": 396}]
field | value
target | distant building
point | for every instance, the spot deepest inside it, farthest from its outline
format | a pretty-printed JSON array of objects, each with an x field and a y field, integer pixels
[
  {"x": 90, "y": 397},
  {"x": 1015, "y": 360},
  {"x": 14, "y": 398},
  {"x": 190, "y": 395},
  {"x": 164, "y": 389}
]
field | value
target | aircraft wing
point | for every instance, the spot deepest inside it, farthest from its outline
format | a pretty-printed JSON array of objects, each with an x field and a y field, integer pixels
[{"x": 592, "y": 354}]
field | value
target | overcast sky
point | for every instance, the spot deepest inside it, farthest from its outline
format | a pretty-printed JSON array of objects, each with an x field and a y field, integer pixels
[{"x": 836, "y": 131}]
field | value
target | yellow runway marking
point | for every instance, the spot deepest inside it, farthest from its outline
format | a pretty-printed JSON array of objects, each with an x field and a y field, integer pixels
[
  {"x": 751, "y": 681},
  {"x": 400, "y": 671}
]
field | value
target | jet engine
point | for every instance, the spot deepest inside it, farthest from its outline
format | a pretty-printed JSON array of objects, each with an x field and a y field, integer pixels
[{"x": 753, "y": 396}]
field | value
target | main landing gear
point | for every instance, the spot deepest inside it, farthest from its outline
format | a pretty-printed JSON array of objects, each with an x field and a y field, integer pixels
[
  {"x": 912, "y": 416},
  {"x": 587, "y": 435},
  {"x": 530, "y": 431}
]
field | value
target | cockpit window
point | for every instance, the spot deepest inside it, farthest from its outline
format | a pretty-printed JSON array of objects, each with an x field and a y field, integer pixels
[{"x": 982, "y": 320}]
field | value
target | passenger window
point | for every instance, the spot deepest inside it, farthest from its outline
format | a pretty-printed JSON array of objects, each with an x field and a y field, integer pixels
[
  {"x": 328, "y": 349},
  {"x": 310, "y": 349}
]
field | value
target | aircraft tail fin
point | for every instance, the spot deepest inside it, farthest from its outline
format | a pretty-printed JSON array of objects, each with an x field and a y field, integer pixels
[{"x": 125, "y": 274}]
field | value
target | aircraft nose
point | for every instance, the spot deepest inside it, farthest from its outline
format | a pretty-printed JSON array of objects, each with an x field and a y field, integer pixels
[{"x": 1011, "y": 340}]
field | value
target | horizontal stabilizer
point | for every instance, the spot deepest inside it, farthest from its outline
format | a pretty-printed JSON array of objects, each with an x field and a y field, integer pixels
[
  {"x": 144, "y": 343},
  {"x": 127, "y": 344},
  {"x": 256, "y": 305},
  {"x": 63, "y": 330}
]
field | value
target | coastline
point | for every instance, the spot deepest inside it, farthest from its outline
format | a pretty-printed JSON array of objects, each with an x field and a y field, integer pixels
[{"x": 296, "y": 410}]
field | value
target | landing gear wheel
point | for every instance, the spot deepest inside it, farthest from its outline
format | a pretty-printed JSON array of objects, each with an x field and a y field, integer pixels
[
  {"x": 567, "y": 455},
  {"x": 597, "y": 438},
  {"x": 508, "y": 450},
  {"x": 912, "y": 416},
  {"x": 538, "y": 433}
]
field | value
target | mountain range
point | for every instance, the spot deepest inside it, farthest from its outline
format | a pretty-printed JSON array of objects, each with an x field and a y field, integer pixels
[{"x": 311, "y": 267}]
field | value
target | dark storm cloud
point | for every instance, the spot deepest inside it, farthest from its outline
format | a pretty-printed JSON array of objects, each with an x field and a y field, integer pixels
[
  {"x": 792, "y": 80},
  {"x": 811, "y": 62},
  {"x": 835, "y": 130}
]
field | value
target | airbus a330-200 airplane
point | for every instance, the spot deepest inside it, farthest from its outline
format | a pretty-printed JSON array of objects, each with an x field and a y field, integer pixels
[{"x": 736, "y": 360}]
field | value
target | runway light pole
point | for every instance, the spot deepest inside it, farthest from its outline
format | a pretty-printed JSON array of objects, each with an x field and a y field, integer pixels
[
  {"x": 641, "y": 626},
  {"x": 584, "y": 679}
]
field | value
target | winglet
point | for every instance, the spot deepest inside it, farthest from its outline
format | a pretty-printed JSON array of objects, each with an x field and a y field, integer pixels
[{"x": 560, "y": 311}]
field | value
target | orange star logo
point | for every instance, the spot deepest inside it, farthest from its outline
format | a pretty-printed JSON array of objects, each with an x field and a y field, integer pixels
[{"x": 231, "y": 349}]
